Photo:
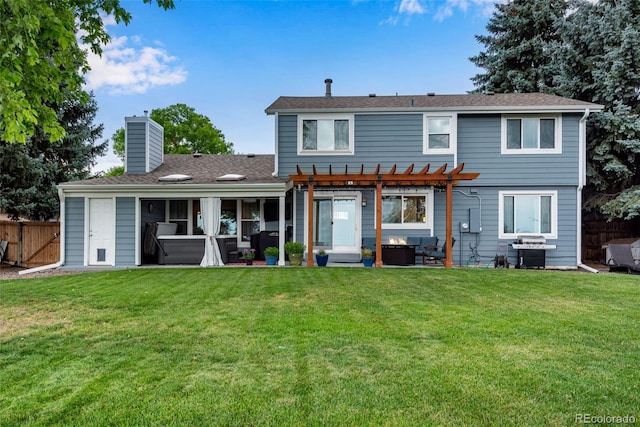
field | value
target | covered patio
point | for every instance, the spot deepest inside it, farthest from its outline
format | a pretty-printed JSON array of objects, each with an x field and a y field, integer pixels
[{"x": 378, "y": 180}]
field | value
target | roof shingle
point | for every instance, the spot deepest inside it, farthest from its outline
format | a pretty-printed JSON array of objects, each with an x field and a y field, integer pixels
[
  {"x": 407, "y": 102},
  {"x": 203, "y": 169}
]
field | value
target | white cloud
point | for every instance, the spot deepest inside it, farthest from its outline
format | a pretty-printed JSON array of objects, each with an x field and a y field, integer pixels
[
  {"x": 128, "y": 67},
  {"x": 446, "y": 9},
  {"x": 411, "y": 7},
  {"x": 483, "y": 7}
]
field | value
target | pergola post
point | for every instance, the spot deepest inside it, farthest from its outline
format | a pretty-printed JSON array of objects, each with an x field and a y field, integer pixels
[
  {"x": 448, "y": 259},
  {"x": 379, "y": 224},
  {"x": 310, "y": 227}
]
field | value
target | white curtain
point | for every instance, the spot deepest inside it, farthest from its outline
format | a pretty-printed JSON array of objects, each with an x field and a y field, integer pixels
[{"x": 210, "y": 211}]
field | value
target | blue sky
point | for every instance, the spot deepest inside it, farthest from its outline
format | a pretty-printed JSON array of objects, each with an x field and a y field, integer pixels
[{"x": 231, "y": 59}]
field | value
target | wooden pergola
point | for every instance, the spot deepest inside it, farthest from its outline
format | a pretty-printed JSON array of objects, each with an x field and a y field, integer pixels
[{"x": 377, "y": 179}]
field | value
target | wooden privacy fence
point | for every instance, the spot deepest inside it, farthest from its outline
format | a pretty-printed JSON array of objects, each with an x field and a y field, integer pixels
[
  {"x": 31, "y": 244},
  {"x": 597, "y": 231}
]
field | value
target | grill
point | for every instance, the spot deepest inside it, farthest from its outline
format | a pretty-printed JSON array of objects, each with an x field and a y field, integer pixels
[{"x": 531, "y": 251}]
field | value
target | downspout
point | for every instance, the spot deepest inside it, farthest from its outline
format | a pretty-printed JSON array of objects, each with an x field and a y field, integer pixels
[
  {"x": 582, "y": 178},
  {"x": 277, "y": 132},
  {"x": 62, "y": 240}
]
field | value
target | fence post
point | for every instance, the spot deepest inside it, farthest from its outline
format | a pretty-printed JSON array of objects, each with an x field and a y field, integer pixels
[{"x": 19, "y": 254}]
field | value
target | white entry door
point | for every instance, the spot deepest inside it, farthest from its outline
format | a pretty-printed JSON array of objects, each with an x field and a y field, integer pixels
[{"x": 101, "y": 232}]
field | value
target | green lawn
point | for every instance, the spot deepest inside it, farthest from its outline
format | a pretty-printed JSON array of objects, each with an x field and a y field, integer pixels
[{"x": 319, "y": 346}]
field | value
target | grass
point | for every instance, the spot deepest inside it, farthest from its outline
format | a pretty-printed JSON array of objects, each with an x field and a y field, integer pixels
[{"x": 318, "y": 346}]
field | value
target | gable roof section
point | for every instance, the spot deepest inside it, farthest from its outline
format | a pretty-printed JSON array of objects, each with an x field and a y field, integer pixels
[
  {"x": 500, "y": 102},
  {"x": 203, "y": 170}
]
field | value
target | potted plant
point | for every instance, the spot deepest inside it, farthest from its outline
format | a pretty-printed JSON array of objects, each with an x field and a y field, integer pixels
[
  {"x": 271, "y": 255},
  {"x": 295, "y": 251},
  {"x": 321, "y": 258},
  {"x": 248, "y": 256},
  {"x": 367, "y": 257}
]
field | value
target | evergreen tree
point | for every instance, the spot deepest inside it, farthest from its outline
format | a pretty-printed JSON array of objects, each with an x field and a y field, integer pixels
[
  {"x": 29, "y": 172},
  {"x": 516, "y": 56},
  {"x": 600, "y": 62}
]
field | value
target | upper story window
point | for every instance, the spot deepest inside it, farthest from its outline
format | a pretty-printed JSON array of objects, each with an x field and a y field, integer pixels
[
  {"x": 528, "y": 213},
  {"x": 532, "y": 134},
  {"x": 325, "y": 134},
  {"x": 440, "y": 134}
]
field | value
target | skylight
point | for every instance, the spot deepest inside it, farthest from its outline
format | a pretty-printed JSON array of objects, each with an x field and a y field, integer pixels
[
  {"x": 231, "y": 177},
  {"x": 176, "y": 177}
]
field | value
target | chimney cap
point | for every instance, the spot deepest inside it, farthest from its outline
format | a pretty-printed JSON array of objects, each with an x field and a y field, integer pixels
[{"x": 328, "y": 80}]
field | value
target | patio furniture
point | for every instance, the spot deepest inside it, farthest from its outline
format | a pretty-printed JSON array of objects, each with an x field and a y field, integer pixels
[
  {"x": 398, "y": 254},
  {"x": 438, "y": 254},
  {"x": 621, "y": 258},
  {"x": 427, "y": 244}
]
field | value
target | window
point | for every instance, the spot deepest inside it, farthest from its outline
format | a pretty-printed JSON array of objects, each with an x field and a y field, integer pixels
[
  {"x": 185, "y": 213},
  {"x": 439, "y": 134},
  {"x": 531, "y": 134},
  {"x": 405, "y": 211},
  {"x": 228, "y": 218},
  {"x": 325, "y": 134},
  {"x": 528, "y": 213},
  {"x": 250, "y": 218}
]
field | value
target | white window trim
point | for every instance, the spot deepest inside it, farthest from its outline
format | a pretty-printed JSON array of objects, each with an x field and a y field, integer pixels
[
  {"x": 554, "y": 213},
  {"x": 349, "y": 117},
  {"x": 427, "y": 225},
  {"x": 453, "y": 135},
  {"x": 558, "y": 134}
]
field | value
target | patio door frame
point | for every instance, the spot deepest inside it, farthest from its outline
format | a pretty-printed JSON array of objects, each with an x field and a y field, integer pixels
[{"x": 337, "y": 195}]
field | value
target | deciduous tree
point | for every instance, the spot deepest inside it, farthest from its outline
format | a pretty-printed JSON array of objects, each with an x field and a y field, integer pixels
[
  {"x": 41, "y": 63},
  {"x": 185, "y": 131}
]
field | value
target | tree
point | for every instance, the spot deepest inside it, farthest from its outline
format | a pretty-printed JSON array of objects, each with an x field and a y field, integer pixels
[
  {"x": 516, "y": 56},
  {"x": 41, "y": 62},
  {"x": 590, "y": 54},
  {"x": 29, "y": 172},
  {"x": 601, "y": 63},
  {"x": 185, "y": 131}
]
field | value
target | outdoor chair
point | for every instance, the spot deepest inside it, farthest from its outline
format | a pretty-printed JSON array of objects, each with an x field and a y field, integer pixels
[
  {"x": 428, "y": 244},
  {"x": 622, "y": 259},
  {"x": 438, "y": 254}
]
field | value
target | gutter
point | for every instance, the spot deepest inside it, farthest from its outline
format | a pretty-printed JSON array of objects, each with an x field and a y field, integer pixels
[
  {"x": 582, "y": 178},
  {"x": 62, "y": 242}
]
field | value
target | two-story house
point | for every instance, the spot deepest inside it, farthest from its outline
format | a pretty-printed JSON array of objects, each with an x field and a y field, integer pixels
[
  {"x": 474, "y": 170},
  {"x": 527, "y": 151}
]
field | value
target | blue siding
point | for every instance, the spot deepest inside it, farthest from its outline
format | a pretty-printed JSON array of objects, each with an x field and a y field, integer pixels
[
  {"x": 125, "y": 231},
  {"x": 156, "y": 145},
  {"x": 389, "y": 139},
  {"x": 487, "y": 240},
  {"x": 74, "y": 231},
  {"x": 479, "y": 150},
  {"x": 385, "y": 139},
  {"x": 136, "y": 147}
]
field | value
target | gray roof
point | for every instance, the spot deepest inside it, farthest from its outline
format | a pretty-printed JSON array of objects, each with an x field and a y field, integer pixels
[
  {"x": 204, "y": 169},
  {"x": 469, "y": 102}
]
